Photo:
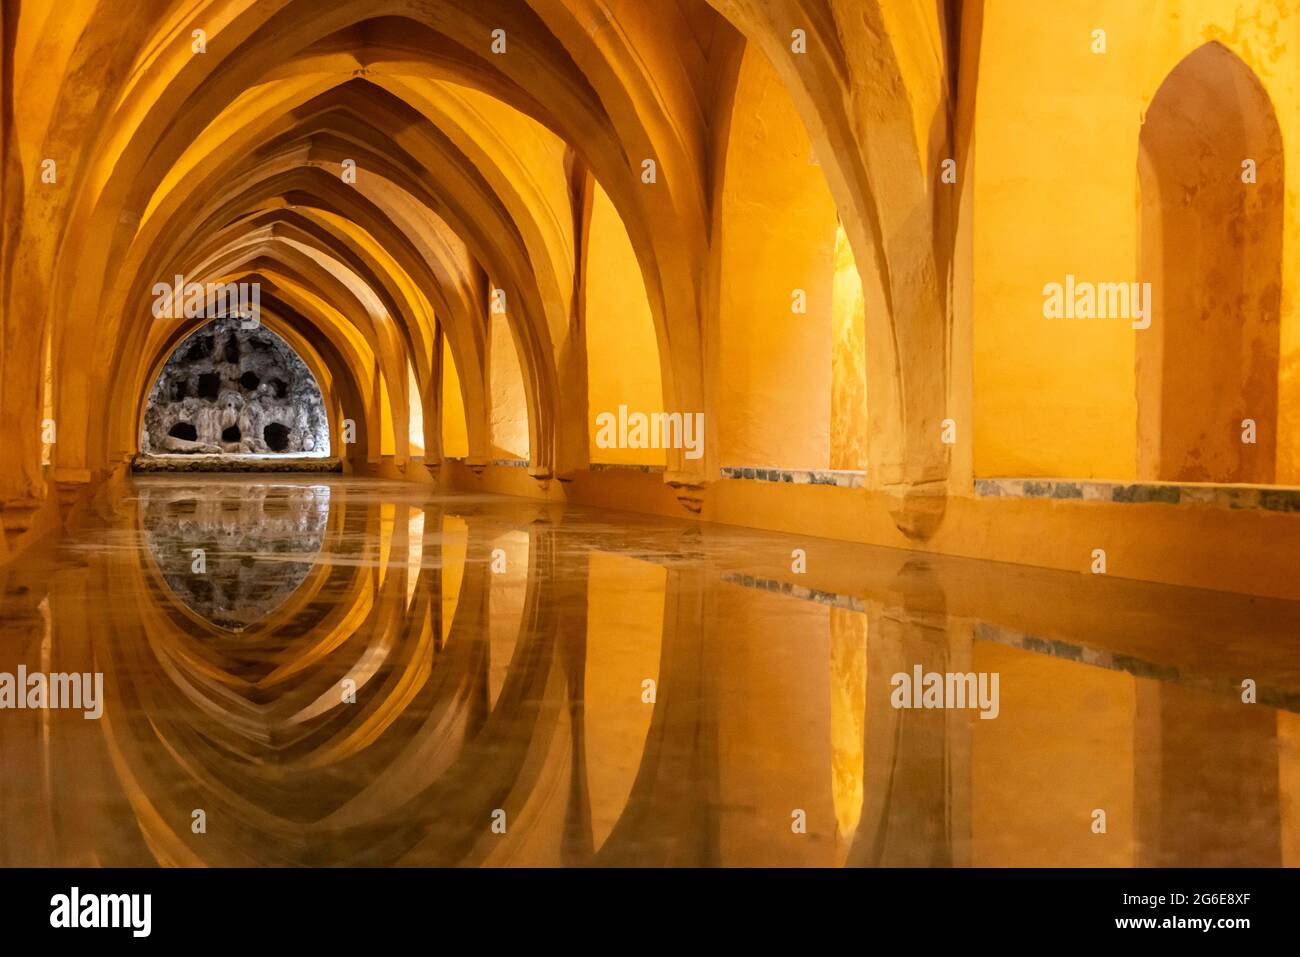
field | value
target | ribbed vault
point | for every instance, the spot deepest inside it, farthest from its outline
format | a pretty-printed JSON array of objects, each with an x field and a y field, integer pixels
[{"x": 395, "y": 173}]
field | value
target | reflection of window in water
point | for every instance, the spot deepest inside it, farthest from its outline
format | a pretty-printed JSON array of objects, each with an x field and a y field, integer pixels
[{"x": 258, "y": 541}]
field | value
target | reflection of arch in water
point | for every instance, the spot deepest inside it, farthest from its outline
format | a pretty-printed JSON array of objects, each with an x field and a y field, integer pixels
[
  {"x": 256, "y": 545},
  {"x": 263, "y": 735},
  {"x": 253, "y": 727},
  {"x": 259, "y": 727},
  {"x": 1211, "y": 246}
]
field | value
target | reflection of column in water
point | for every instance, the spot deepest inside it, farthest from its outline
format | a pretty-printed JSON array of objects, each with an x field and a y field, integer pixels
[
  {"x": 506, "y": 595},
  {"x": 848, "y": 720},
  {"x": 1206, "y": 779},
  {"x": 906, "y": 814},
  {"x": 772, "y": 678},
  {"x": 622, "y": 617},
  {"x": 671, "y": 815}
]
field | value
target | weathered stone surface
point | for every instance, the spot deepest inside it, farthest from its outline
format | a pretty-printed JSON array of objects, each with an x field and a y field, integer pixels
[
  {"x": 237, "y": 391},
  {"x": 258, "y": 544},
  {"x": 204, "y": 462}
]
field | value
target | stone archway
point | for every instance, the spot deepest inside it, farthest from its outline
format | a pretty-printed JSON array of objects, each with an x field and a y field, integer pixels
[{"x": 231, "y": 390}]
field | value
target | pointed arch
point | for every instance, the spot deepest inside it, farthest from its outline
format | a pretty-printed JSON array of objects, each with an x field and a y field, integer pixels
[{"x": 1210, "y": 181}]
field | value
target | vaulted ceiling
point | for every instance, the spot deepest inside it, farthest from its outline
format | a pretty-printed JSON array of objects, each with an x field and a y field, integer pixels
[{"x": 379, "y": 165}]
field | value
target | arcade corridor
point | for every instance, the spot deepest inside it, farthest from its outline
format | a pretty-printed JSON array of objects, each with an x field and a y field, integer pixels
[{"x": 650, "y": 432}]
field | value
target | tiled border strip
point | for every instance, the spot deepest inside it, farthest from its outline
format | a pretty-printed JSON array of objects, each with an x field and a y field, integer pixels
[
  {"x": 594, "y": 466},
  {"x": 1270, "y": 697},
  {"x": 623, "y": 467},
  {"x": 796, "y": 591},
  {"x": 1163, "y": 493},
  {"x": 843, "y": 478},
  {"x": 988, "y": 631},
  {"x": 507, "y": 463}
]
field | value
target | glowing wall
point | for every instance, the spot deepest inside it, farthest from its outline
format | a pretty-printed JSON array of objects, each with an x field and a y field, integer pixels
[
  {"x": 509, "y": 404},
  {"x": 455, "y": 434},
  {"x": 848, "y": 362},
  {"x": 622, "y": 354},
  {"x": 1056, "y": 193},
  {"x": 778, "y": 237}
]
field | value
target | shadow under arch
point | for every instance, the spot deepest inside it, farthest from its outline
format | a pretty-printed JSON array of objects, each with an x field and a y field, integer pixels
[{"x": 1210, "y": 183}]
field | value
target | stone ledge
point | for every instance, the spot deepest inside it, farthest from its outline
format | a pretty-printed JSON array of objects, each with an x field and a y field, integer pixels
[
  {"x": 842, "y": 478},
  {"x": 235, "y": 463},
  {"x": 1268, "y": 498}
]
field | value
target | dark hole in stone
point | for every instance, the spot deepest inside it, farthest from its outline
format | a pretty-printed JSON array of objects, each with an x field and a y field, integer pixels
[
  {"x": 209, "y": 385},
  {"x": 200, "y": 348},
  {"x": 180, "y": 389},
  {"x": 232, "y": 349},
  {"x": 276, "y": 436},
  {"x": 280, "y": 387},
  {"x": 230, "y": 434},
  {"x": 249, "y": 380},
  {"x": 199, "y": 587},
  {"x": 261, "y": 345},
  {"x": 184, "y": 430}
]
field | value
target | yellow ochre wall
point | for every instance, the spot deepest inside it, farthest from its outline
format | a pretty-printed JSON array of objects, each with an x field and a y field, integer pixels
[
  {"x": 778, "y": 226},
  {"x": 1056, "y": 192},
  {"x": 848, "y": 362},
  {"x": 509, "y": 402},
  {"x": 622, "y": 354},
  {"x": 455, "y": 435}
]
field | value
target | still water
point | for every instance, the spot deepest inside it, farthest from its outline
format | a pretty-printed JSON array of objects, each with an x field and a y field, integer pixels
[{"x": 329, "y": 671}]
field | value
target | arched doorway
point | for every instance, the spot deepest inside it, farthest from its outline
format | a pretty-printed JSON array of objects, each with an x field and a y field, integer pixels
[{"x": 1210, "y": 243}]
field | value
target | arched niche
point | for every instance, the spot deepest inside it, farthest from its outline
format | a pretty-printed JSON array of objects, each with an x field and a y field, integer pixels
[
  {"x": 232, "y": 388},
  {"x": 1210, "y": 244}
]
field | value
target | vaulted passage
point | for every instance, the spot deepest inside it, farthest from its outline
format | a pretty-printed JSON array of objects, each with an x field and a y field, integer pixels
[{"x": 586, "y": 410}]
